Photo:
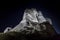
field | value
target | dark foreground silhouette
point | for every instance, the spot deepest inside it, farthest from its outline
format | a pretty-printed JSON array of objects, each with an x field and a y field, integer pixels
[{"x": 22, "y": 36}]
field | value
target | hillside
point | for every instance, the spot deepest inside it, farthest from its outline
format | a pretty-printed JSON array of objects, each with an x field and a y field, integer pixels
[
  {"x": 21, "y": 36},
  {"x": 49, "y": 34}
]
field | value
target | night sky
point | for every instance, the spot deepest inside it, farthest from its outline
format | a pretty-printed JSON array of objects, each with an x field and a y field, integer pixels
[{"x": 11, "y": 13}]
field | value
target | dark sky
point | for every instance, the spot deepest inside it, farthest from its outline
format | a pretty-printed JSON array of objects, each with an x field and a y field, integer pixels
[{"x": 11, "y": 13}]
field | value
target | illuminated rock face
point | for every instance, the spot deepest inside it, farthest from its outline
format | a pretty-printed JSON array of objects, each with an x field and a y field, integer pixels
[
  {"x": 31, "y": 18},
  {"x": 7, "y": 29},
  {"x": 32, "y": 21},
  {"x": 49, "y": 20}
]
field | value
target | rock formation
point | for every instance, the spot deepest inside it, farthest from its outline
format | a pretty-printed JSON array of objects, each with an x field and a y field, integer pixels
[{"x": 33, "y": 21}]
